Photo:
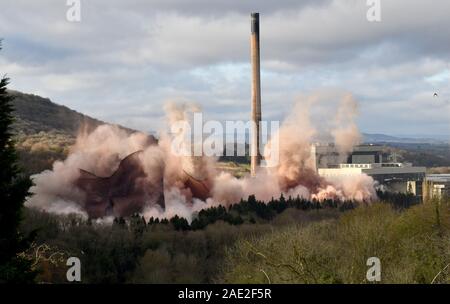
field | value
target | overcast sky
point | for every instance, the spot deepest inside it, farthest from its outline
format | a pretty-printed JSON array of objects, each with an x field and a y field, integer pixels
[{"x": 125, "y": 59}]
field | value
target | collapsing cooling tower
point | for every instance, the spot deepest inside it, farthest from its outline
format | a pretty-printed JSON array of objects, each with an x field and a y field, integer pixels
[
  {"x": 199, "y": 188},
  {"x": 128, "y": 190},
  {"x": 123, "y": 193}
]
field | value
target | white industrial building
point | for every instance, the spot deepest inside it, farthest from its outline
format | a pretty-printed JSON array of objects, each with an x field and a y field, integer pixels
[
  {"x": 436, "y": 186},
  {"x": 368, "y": 159}
]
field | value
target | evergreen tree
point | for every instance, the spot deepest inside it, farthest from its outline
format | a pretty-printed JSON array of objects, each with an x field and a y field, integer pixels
[
  {"x": 13, "y": 192},
  {"x": 179, "y": 223}
]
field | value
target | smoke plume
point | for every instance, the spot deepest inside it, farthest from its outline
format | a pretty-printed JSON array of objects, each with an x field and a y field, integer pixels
[{"x": 346, "y": 134}]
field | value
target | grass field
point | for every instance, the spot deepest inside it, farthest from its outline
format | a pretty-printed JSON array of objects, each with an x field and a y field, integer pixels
[{"x": 236, "y": 169}]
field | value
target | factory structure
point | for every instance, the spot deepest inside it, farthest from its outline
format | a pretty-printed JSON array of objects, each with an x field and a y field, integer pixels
[
  {"x": 436, "y": 186},
  {"x": 390, "y": 175},
  {"x": 368, "y": 159}
]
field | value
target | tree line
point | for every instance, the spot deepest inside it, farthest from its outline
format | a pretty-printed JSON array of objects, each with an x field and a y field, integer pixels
[{"x": 251, "y": 210}]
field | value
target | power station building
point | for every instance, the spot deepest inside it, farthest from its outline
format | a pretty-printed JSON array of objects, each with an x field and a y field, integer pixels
[
  {"x": 328, "y": 162},
  {"x": 436, "y": 186},
  {"x": 368, "y": 159}
]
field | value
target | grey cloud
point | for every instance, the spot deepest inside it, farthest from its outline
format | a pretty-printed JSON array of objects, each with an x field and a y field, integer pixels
[{"x": 127, "y": 57}]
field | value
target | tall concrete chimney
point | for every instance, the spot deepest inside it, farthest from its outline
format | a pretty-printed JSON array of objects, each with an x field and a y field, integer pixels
[{"x": 256, "y": 94}]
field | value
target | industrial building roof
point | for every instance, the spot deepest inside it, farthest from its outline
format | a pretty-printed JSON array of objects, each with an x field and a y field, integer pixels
[{"x": 438, "y": 177}]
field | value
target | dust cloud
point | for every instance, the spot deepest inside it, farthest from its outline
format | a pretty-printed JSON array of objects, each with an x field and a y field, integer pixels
[{"x": 111, "y": 172}]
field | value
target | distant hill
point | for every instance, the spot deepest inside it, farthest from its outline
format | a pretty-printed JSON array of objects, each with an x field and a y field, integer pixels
[
  {"x": 383, "y": 138},
  {"x": 36, "y": 114},
  {"x": 44, "y": 131}
]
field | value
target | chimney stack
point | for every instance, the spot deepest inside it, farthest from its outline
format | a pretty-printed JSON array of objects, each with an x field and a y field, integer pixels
[{"x": 256, "y": 94}]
